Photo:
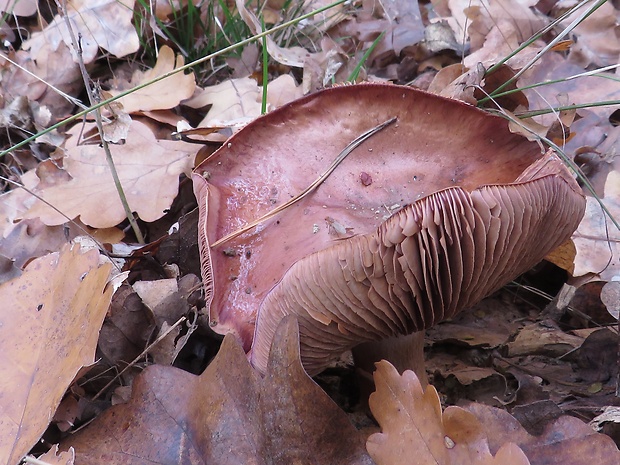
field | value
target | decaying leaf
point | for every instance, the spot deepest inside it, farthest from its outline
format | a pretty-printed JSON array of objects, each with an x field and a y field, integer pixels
[
  {"x": 413, "y": 425},
  {"x": 597, "y": 41},
  {"x": 226, "y": 415},
  {"x": 53, "y": 457},
  {"x": 48, "y": 332},
  {"x": 148, "y": 169},
  {"x": 291, "y": 56},
  {"x": 497, "y": 29},
  {"x": 567, "y": 441}
]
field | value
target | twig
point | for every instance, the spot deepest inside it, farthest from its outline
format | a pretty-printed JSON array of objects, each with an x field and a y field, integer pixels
[{"x": 312, "y": 187}]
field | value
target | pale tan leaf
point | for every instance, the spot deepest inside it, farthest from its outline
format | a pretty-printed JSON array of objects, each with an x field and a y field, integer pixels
[
  {"x": 597, "y": 42},
  {"x": 498, "y": 29},
  {"x": 162, "y": 95},
  {"x": 53, "y": 457},
  {"x": 99, "y": 23},
  {"x": 49, "y": 59},
  {"x": 597, "y": 240},
  {"x": 236, "y": 102},
  {"x": 291, "y": 56},
  {"x": 147, "y": 167},
  {"x": 47, "y": 334}
]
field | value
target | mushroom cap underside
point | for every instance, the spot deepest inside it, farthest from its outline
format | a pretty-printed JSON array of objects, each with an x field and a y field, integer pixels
[{"x": 433, "y": 258}]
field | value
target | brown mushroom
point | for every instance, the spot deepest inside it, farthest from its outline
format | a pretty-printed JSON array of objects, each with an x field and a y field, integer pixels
[
  {"x": 348, "y": 260},
  {"x": 435, "y": 257}
]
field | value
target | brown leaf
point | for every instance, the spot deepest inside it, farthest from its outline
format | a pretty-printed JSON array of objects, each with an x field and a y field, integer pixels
[
  {"x": 226, "y": 415},
  {"x": 545, "y": 339},
  {"x": 291, "y": 56},
  {"x": 597, "y": 42},
  {"x": 53, "y": 457},
  {"x": 501, "y": 28},
  {"x": 148, "y": 169},
  {"x": 413, "y": 426},
  {"x": 47, "y": 334},
  {"x": 567, "y": 441}
]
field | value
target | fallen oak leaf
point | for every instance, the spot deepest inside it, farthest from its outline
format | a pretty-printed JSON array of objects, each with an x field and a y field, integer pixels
[
  {"x": 597, "y": 240},
  {"x": 19, "y": 8},
  {"x": 147, "y": 167},
  {"x": 229, "y": 414},
  {"x": 413, "y": 426},
  {"x": 47, "y": 334},
  {"x": 161, "y": 95},
  {"x": 566, "y": 441},
  {"x": 290, "y": 56},
  {"x": 98, "y": 23},
  {"x": 236, "y": 102}
]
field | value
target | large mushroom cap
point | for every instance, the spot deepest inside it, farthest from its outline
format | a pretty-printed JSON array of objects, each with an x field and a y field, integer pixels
[{"x": 282, "y": 265}]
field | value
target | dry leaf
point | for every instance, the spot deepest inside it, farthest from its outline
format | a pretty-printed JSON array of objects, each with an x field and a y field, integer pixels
[
  {"x": 597, "y": 42},
  {"x": 53, "y": 457},
  {"x": 584, "y": 90},
  {"x": 404, "y": 26},
  {"x": 47, "y": 334},
  {"x": 148, "y": 169},
  {"x": 567, "y": 441},
  {"x": 236, "y": 102},
  {"x": 291, "y": 56},
  {"x": 543, "y": 339},
  {"x": 564, "y": 256},
  {"x": 226, "y": 415},
  {"x": 162, "y": 95},
  {"x": 413, "y": 425},
  {"x": 127, "y": 329},
  {"x": 53, "y": 64},
  {"x": 103, "y": 24},
  {"x": 597, "y": 239},
  {"x": 501, "y": 27}
]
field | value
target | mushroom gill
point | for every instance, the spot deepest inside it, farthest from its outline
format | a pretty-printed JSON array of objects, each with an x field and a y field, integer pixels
[{"x": 431, "y": 259}]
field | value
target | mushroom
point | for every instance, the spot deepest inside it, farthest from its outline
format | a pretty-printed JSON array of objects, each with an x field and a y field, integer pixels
[
  {"x": 439, "y": 255},
  {"x": 399, "y": 237}
]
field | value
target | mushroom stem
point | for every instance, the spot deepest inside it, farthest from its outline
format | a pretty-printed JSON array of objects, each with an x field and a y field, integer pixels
[{"x": 404, "y": 352}]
